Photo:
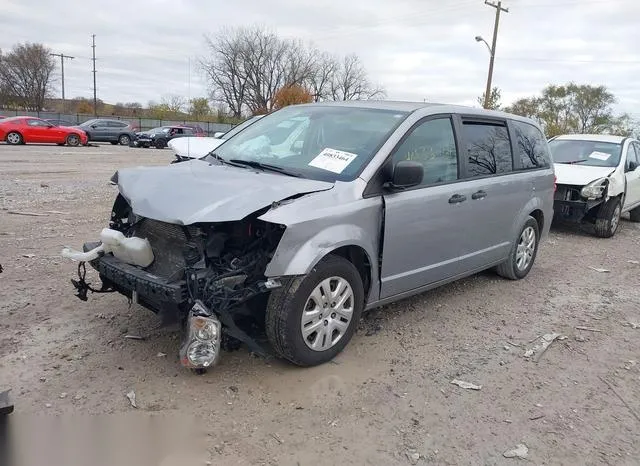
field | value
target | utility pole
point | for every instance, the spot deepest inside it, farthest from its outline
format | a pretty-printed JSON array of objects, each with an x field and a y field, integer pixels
[
  {"x": 95, "y": 90},
  {"x": 62, "y": 57},
  {"x": 499, "y": 8}
]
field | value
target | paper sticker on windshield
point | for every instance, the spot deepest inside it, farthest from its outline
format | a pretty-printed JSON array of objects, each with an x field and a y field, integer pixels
[
  {"x": 599, "y": 155},
  {"x": 333, "y": 160}
]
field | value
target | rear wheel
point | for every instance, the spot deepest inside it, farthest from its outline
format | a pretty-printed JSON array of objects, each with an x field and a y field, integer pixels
[
  {"x": 608, "y": 218},
  {"x": 311, "y": 319},
  {"x": 73, "y": 140},
  {"x": 124, "y": 140},
  {"x": 523, "y": 253},
  {"x": 14, "y": 138},
  {"x": 161, "y": 144}
]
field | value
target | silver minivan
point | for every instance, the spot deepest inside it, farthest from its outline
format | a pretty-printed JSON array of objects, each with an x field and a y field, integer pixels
[{"x": 315, "y": 213}]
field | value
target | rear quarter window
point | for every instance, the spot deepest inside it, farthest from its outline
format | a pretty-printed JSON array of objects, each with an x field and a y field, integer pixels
[
  {"x": 488, "y": 149},
  {"x": 531, "y": 146}
]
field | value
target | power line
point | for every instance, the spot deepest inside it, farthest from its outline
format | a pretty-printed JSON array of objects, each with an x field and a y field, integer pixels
[{"x": 62, "y": 57}]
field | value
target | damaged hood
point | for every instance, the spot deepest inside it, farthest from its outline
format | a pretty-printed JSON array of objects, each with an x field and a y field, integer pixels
[
  {"x": 579, "y": 175},
  {"x": 197, "y": 191},
  {"x": 194, "y": 147}
]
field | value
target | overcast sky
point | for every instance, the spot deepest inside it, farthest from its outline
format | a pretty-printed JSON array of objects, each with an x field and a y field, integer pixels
[{"x": 416, "y": 49}]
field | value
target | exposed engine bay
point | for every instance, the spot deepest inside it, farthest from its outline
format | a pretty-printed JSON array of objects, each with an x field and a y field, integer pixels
[{"x": 208, "y": 275}]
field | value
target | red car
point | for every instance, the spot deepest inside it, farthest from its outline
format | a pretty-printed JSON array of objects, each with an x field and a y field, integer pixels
[{"x": 22, "y": 130}]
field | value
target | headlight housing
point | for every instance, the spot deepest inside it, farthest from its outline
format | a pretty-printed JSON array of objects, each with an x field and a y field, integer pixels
[{"x": 595, "y": 189}]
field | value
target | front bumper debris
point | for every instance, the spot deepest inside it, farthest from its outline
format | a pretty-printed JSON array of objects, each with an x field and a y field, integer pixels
[{"x": 573, "y": 211}]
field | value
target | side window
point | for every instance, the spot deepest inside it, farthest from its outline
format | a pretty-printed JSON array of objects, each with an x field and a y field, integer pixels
[
  {"x": 37, "y": 123},
  {"x": 433, "y": 145},
  {"x": 488, "y": 149},
  {"x": 531, "y": 146}
]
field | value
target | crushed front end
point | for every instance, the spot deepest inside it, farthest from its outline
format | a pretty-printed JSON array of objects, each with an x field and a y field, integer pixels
[{"x": 208, "y": 276}]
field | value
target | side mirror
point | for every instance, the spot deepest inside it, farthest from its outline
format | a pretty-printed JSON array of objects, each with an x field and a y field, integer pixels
[
  {"x": 406, "y": 174},
  {"x": 632, "y": 165}
]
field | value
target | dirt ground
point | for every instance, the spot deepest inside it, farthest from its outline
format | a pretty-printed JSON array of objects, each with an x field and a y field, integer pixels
[{"x": 388, "y": 398}]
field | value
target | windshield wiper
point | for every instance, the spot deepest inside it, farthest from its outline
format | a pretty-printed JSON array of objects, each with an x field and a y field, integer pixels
[
  {"x": 571, "y": 162},
  {"x": 264, "y": 166}
]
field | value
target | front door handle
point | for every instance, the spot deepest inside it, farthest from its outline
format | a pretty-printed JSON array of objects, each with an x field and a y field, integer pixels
[
  {"x": 479, "y": 195},
  {"x": 457, "y": 199}
]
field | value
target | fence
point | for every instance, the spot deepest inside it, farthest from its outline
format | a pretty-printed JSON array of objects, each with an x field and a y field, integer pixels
[{"x": 139, "y": 124}]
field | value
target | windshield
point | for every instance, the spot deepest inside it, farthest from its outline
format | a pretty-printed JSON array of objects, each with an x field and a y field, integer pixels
[
  {"x": 160, "y": 129},
  {"x": 592, "y": 153},
  {"x": 240, "y": 127},
  {"x": 319, "y": 142}
]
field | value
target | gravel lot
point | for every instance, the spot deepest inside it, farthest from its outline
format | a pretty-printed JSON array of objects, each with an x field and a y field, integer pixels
[{"x": 387, "y": 400}]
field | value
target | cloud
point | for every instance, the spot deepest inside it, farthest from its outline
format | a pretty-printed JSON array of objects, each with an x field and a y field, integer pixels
[{"x": 416, "y": 49}]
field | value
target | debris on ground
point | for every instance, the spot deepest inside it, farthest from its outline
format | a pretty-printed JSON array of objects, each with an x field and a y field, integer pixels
[
  {"x": 600, "y": 270},
  {"x": 63, "y": 395},
  {"x": 624, "y": 402},
  {"x": 413, "y": 457},
  {"x": 277, "y": 438},
  {"x": 520, "y": 451},
  {"x": 466, "y": 385},
  {"x": 633, "y": 262},
  {"x": 29, "y": 256},
  {"x": 28, "y": 214},
  {"x": 134, "y": 337},
  {"x": 633, "y": 325},
  {"x": 132, "y": 398},
  {"x": 161, "y": 355},
  {"x": 538, "y": 350},
  {"x": 588, "y": 329}
]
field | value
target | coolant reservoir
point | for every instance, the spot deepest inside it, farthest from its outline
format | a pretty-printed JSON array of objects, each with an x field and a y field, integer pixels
[{"x": 135, "y": 251}]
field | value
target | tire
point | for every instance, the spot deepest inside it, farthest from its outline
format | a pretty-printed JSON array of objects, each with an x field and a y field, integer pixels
[
  {"x": 115, "y": 143},
  {"x": 73, "y": 140},
  {"x": 160, "y": 144},
  {"x": 14, "y": 138},
  {"x": 634, "y": 214},
  {"x": 124, "y": 139},
  {"x": 516, "y": 266},
  {"x": 608, "y": 218},
  {"x": 289, "y": 304}
]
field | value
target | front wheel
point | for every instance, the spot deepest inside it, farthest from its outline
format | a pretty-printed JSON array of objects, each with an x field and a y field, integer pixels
[
  {"x": 124, "y": 140},
  {"x": 523, "y": 253},
  {"x": 160, "y": 144},
  {"x": 14, "y": 138},
  {"x": 73, "y": 140},
  {"x": 310, "y": 319},
  {"x": 608, "y": 218}
]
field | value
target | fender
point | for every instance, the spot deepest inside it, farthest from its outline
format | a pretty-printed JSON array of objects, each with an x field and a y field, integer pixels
[{"x": 533, "y": 204}]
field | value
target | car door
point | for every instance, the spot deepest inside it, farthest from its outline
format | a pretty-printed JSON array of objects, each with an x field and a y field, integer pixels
[
  {"x": 498, "y": 194},
  {"x": 36, "y": 131},
  {"x": 632, "y": 177},
  {"x": 427, "y": 227},
  {"x": 100, "y": 131}
]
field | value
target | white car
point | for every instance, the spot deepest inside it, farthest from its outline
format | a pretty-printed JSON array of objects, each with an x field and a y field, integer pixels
[
  {"x": 598, "y": 180},
  {"x": 197, "y": 147}
]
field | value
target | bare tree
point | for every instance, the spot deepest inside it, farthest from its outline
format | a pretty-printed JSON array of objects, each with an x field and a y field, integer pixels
[
  {"x": 173, "y": 103},
  {"x": 247, "y": 66},
  {"x": 25, "y": 75},
  {"x": 325, "y": 69},
  {"x": 351, "y": 82}
]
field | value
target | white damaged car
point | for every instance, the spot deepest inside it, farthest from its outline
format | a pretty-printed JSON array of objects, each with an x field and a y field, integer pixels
[{"x": 598, "y": 180}]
